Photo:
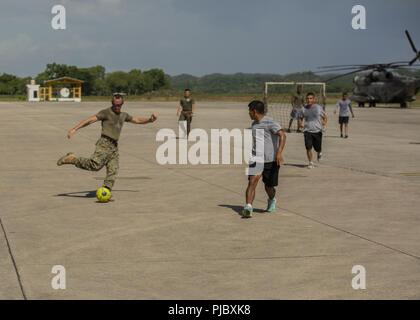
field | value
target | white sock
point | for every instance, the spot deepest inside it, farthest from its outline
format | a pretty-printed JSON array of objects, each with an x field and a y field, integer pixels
[{"x": 249, "y": 205}]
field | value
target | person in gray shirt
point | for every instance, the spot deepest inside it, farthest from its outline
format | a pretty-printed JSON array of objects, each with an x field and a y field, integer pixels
[
  {"x": 274, "y": 142},
  {"x": 297, "y": 104},
  {"x": 344, "y": 107},
  {"x": 314, "y": 119}
]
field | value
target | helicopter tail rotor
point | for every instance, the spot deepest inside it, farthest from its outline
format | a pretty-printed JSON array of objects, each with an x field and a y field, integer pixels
[{"x": 413, "y": 46}]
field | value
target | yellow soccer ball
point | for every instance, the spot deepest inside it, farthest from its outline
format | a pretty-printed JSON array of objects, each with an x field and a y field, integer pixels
[{"x": 103, "y": 194}]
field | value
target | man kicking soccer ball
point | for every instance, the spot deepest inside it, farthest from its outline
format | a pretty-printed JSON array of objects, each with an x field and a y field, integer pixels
[
  {"x": 314, "y": 119},
  {"x": 344, "y": 106},
  {"x": 274, "y": 142},
  {"x": 106, "y": 152}
]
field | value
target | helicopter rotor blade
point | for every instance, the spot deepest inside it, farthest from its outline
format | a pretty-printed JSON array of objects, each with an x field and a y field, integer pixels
[
  {"x": 408, "y": 67},
  {"x": 365, "y": 66},
  {"x": 336, "y": 70},
  {"x": 417, "y": 57},
  {"x": 341, "y": 68},
  {"x": 411, "y": 41},
  {"x": 397, "y": 66},
  {"x": 345, "y": 65},
  {"x": 343, "y": 75},
  {"x": 397, "y": 62}
]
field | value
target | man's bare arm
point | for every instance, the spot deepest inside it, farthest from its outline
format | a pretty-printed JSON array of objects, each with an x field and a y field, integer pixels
[
  {"x": 302, "y": 123},
  {"x": 141, "y": 120},
  {"x": 324, "y": 119},
  {"x": 82, "y": 124},
  {"x": 282, "y": 143}
]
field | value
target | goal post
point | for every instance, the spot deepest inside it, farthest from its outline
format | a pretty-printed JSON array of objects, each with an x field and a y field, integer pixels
[{"x": 278, "y": 98}]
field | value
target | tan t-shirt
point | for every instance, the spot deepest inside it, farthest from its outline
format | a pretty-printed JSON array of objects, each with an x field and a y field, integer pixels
[
  {"x": 112, "y": 123},
  {"x": 186, "y": 104}
]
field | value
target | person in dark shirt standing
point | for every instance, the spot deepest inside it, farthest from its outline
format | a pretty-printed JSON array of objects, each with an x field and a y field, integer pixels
[
  {"x": 186, "y": 110},
  {"x": 106, "y": 151}
]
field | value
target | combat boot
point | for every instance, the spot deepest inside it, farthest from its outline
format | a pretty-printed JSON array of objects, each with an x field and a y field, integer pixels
[{"x": 69, "y": 158}]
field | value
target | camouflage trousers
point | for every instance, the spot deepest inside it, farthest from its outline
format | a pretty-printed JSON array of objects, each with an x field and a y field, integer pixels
[
  {"x": 186, "y": 116},
  {"x": 106, "y": 154}
]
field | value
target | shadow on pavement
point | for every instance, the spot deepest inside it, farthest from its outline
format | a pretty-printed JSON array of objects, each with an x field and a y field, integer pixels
[
  {"x": 295, "y": 165},
  {"x": 238, "y": 209},
  {"x": 87, "y": 194}
]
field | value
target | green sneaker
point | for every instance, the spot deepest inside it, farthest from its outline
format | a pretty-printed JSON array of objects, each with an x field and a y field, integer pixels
[
  {"x": 271, "y": 205},
  {"x": 247, "y": 212}
]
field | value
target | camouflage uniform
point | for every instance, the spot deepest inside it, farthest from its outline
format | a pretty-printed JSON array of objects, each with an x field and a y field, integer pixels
[
  {"x": 186, "y": 113},
  {"x": 106, "y": 154},
  {"x": 106, "y": 151}
]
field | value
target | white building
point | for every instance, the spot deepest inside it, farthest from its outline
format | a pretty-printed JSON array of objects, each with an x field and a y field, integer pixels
[{"x": 33, "y": 91}]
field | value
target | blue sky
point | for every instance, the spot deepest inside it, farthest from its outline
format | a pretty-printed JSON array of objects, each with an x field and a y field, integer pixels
[{"x": 204, "y": 36}]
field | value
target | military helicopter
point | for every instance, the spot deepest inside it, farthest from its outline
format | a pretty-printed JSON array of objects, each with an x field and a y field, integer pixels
[{"x": 379, "y": 83}]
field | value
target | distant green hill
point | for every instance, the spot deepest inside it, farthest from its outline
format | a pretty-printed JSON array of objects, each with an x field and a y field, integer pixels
[
  {"x": 254, "y": 82},
  {"x": 234, "y": 83},
  {"x": 98, "y": 82}
]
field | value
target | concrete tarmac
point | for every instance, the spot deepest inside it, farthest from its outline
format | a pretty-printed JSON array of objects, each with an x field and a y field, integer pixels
[{"x": 174, "y": 232}]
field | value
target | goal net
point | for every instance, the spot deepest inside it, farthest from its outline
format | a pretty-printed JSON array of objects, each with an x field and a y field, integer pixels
[{"x": 280, "y": 97}]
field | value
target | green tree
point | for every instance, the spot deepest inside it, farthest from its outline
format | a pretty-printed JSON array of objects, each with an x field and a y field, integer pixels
[
  {"x": 136, "y": 83},
  {"x": 117, "y": 81},
  {"x": 100, "y": 88},
  {"x": 158, "y": 79},
  {"x": 12, "y": 85}
]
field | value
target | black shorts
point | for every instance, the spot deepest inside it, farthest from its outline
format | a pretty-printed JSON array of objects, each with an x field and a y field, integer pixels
[
  {"x": 342, "y": 120},
  {"x": 313, "y": 140},
  {"x": 270, "y": 173}
]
